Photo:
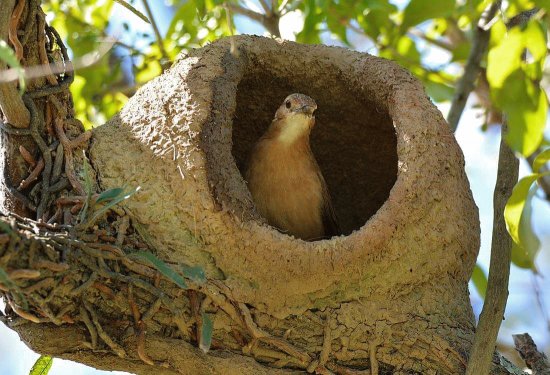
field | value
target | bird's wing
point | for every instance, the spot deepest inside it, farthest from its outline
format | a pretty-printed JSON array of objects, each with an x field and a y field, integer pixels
[{"x": 330, "y": 222}]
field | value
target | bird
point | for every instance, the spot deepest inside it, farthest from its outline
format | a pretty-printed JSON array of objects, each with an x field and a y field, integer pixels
[{"x": 284, "y": 179}]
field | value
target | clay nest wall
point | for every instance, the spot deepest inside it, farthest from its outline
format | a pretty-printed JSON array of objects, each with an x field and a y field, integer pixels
[{"x": 394, "y": 170}]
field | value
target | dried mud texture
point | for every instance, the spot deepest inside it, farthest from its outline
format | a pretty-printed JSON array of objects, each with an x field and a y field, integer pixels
[{"x": 393, "y": 167}]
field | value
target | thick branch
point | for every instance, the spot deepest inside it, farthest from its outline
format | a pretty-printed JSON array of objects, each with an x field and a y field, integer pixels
[
  {"x": 499, "y": 270},
  {"x": 11, "y": 104},
  {"x": 467, "y": 83},
  {"x": 535, "y": 360},
  {"x": 271, "y": 23}
]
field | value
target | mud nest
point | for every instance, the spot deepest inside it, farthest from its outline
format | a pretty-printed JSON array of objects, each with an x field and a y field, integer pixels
[
  {"x": 394, "y": 170},
  {"x": 354, "y": 139}
]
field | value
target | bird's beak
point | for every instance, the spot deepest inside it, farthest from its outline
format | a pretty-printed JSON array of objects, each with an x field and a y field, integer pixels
[{"x": 307, "y": 109}]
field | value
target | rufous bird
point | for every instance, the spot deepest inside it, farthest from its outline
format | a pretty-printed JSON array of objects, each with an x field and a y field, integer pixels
[{"x": 284, "y": 178}]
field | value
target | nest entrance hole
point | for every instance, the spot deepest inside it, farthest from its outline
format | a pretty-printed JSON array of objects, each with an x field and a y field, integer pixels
[{"x": 354, "y": 140}]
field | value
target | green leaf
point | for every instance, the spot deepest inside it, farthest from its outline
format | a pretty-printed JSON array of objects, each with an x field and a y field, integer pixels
[
  {"x": 162, "y": 267},
  {"x": 312, "y": 20},
  {"x": 520, "y": 257},
  {"x": 515, "y": 205},
  {"x": 194, "y": 273},
  {"x": 439, "y": 92},
  {"x": 518, "y": 216},
  {"x": 541, "y": 160},
  {"x": 479, "y": 278},
  {"x": 206, "y": 333},
  {"x": 529, "y": 244},
  {"x": 515, "y": 84},
  {"x": 418, "y": 11},
  {"x": 113, "y": 202},
  {"x": 42, "y": 365},
  {"x": 7, "y": 55},
  {"x": 109, "y": 195},
  {"x": 526, "y": 121},
  {"x": 407, "y": 49},
  {"x": 132, "y": 9},
  {"x": 505, "y": 55}
]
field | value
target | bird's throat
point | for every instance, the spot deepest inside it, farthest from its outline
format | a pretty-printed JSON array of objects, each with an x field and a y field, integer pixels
[{"x": 294, "y": 128}]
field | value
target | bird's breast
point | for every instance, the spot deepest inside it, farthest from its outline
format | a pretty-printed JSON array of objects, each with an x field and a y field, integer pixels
[{"x": 285, "y": 185}]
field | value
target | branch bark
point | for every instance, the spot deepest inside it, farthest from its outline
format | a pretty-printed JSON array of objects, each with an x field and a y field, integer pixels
[
  {"x": 270, "y": 22},
  {"x": 467, "y": 83},
  {"x": 11, "y": 104},
  {"x": 499, "y": 270},
  {"x": 534, "y": 359}
]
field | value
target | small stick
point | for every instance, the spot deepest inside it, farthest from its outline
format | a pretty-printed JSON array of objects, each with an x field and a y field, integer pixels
[
  {"x": 14, "y": 23},
  {"x": 88, "y": 323},
  {"x": 24, "y": 274},
  {"x": 104, "y": 335},
  {"x": 33, "y": 176},
  {"x": 27, "y": 156}
]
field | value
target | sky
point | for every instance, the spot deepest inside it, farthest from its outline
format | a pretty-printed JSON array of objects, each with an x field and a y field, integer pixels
[{"x": 524, "y": 311}]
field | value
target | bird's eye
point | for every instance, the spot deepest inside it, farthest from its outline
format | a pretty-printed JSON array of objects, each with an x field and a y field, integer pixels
[{"x": 287, "y": 104}]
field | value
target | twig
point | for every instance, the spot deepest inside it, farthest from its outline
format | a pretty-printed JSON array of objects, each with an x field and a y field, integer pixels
[
  {"x": 271, "y": 23},
  {"x": 88, "y": 323},
  {"x": 540, "y": 300},
  {"x": 521, "y": 18},
  {"x": 466, "y": 83},
  {"x": 22, "y": 313},
  {"x": 265, "y": 7},
  {"x": 33, "y": 176},
  {"x": 11, "y": 104},
  {"x": 14, "y": 24},
  {"x": 499, "y": 269},
  {"x": 27, "y": 156},
  {"x": 527, "y": 349},
  {"x": 160, "y": 42},
  {"x": 293, "y": 7},
  {"x": 104, "y": 336},
  {"x": 141, "y": 331},
  {"x": 258, "y": 17},
  {"x": 84, "y": 286},
  {"x": 24, "y": 274},
  {"x": 435, "y": 42},
  {"x": 52, "y": 80}
]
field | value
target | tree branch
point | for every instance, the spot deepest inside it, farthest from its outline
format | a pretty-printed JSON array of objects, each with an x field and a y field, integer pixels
[
  {"x": 265, "y": 7},
  {"x": 499, "y": 269},
  {"x": 435, "y": 42},
  {"x": 270, "y": 23},
  {"x": 535, "y": 360},
  {"x": 237, "y": 9},
  {"x": 160, "y": 41},
  {"x": 11, "y": 104},
  {"x": 467, "y": 83}
]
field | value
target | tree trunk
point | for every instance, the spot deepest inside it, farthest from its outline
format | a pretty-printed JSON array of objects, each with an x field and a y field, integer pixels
[{"x": 388, "y": 297}]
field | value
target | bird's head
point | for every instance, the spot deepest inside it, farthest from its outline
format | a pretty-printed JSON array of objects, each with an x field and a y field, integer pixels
[
  {"x": 296, "y": 105},
  {"x": 295, "y": 117}
]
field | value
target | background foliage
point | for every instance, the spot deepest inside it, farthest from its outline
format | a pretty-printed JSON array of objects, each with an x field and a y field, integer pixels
[{"x": 116, "y": 51}]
